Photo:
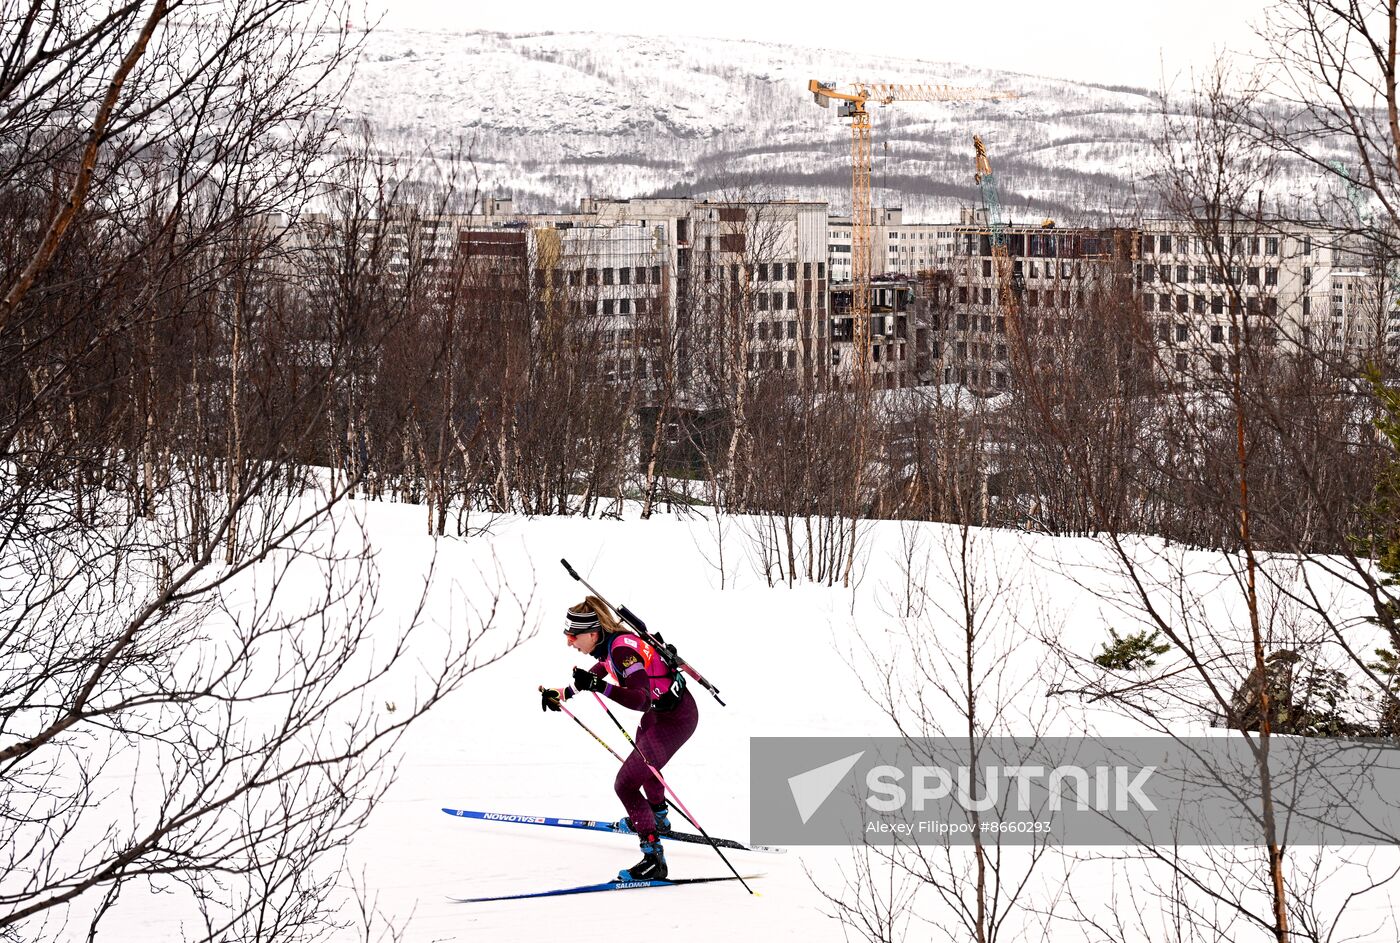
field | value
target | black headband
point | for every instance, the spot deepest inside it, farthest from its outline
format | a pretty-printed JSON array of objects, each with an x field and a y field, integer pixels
[{"x": 580, "y": 622}]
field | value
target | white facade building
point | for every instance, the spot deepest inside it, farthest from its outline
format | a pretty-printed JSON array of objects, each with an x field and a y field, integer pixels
[{"x": 896, "y": 247}]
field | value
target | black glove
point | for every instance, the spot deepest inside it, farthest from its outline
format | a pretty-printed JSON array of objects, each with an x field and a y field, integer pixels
[
  {"x": 550, "y": 697},
  {"x": 587, "y": 681}
]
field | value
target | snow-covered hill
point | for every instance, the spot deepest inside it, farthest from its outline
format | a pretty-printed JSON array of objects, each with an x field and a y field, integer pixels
[{"x": 551, "y": 117}]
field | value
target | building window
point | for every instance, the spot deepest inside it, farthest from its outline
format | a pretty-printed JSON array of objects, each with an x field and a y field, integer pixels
[
  {"x": 763, "y": 271},
  {"x": 792, "y": 300},
  {"x": 1181, "y": 333},
  {"x": 1166, "y": 243},
  {"x": 763, "y": 301},
  {"x": 607, "y": 306},
  {"x": 607, "y": 276},
  {"x": 624, "y": 276},
  {"x": 1181, "y": 362},
  {"x": 792, "y": 271},
  {"x": 625, "y": 305},
  {"x": 1271, "y": 245},
  {"x": 986, "y": 268},
  {"x": 1270, "y": 276},
  {"x": 1217, "y": 334},
  {"x": 792, "y": 330}
]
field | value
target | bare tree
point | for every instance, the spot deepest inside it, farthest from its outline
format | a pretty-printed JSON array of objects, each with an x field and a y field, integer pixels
[
  {"x": 193, "y": 663},
  {"x": 951, "y": 689}
]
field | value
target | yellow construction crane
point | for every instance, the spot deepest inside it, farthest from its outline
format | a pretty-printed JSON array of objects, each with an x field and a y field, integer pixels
[{"x": 852, "y": 105}]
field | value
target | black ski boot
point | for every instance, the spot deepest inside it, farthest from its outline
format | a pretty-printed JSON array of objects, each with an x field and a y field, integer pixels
[
  {"x": 652, "y": 867},
  {"x": 661, "y": 812}
]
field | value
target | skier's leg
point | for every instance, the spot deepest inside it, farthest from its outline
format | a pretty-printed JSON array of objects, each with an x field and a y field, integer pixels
[
  {"x": 628, "y": 786},
  {"x": 660, "y": 740}
]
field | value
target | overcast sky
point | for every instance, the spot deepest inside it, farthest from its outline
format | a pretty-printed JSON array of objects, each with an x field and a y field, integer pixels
[{"x": 1115, "y": 41}]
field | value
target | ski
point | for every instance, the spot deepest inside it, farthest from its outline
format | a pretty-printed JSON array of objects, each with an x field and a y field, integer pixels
[
  {"x": 609, "y": 827},
  {"x": 595, "y": 888}
]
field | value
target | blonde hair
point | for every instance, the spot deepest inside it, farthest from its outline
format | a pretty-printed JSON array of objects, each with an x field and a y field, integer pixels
[{"x": 600, "y": 609}]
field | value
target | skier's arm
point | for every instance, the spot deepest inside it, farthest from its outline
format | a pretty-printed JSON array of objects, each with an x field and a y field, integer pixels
[{"x": 631, "y": 690}]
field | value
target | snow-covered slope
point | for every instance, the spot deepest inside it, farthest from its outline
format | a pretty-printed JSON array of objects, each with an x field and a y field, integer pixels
[
  {"x": 791, "y": 661},
  {"x": 551, "y": 117}
]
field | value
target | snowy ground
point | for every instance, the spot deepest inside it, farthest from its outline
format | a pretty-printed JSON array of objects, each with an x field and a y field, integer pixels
[
  {"x": 789, "y": 661},
  {"x": 772, "y": 655},
  {"x": 783, "y": 659}
]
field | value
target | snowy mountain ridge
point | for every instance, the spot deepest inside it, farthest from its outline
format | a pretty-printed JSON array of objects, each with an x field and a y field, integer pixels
[{"x": 552, "y": 117}]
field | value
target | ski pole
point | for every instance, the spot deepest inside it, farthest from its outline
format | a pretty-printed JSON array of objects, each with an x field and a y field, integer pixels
[
  {"x": 632, "y": 619},
  {"x": 667, "y": 788}
]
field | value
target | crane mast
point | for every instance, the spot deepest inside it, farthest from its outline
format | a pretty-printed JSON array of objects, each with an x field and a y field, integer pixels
[
  {"x": 1008, "y": 283},
  {"x": 860, "y": 246},
  {"x": 852, "y": 105}
]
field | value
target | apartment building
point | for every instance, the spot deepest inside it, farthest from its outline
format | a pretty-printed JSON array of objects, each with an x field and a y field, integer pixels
[
  {"x": 1363, "y": 324},
  {"x": 1296, "y": 287},
  {"x": 1055, "y": 273},
  {"x": 689, "y": 267},
  {"x": 896, "y": 247},
  {"x": 1193, "y": 293},
  {"x": 613, "y": 283},
  {"x": 893, "y": 329},
  {"x": 765, "y": 263}
]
